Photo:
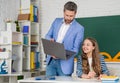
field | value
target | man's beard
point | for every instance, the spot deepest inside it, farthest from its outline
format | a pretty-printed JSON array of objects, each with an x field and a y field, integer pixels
[{"x": 68, "y": 21}]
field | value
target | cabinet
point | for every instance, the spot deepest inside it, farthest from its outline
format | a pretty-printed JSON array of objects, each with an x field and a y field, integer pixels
[
  {"x": 30, "y": 27},
  {"x": 11, "y": 51}
]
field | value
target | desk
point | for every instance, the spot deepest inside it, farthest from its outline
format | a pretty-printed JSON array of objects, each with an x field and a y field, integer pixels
[
  {"x": 12, "y": 77},
  {"x": 60, "y": 79}
]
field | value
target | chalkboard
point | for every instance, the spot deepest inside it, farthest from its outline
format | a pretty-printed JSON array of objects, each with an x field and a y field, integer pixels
[{"x": 105, "y": 30}]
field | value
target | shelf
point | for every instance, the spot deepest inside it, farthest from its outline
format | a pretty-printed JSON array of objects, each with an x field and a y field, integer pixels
[
  {"x": 31, "y": 33},
  {"x": 4, "y": 44},
  {"x": 35, "y": 35},
  {"x": 34, "y": 45},
  {"x": 16, "y": 32},
  {"x": 25, "y": 33},
  {"x": 22, "y": 21},
  {"x": 26, "y": 45},
  {"x": 12, "y": 74},
  {"x": 17, "y": 44}
]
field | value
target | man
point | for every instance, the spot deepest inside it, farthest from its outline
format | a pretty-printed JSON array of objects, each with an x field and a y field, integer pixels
[{"x": 69, "y": 32}]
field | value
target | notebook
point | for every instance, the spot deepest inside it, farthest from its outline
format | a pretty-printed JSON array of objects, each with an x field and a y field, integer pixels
[{"x": 56, "y": 49}]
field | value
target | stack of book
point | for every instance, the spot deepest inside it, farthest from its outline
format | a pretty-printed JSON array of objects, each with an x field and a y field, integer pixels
[{"x": 110, "y": 79}]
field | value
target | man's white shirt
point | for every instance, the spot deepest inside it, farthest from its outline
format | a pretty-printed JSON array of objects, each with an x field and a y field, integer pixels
[{"x": 63, "y": 30}]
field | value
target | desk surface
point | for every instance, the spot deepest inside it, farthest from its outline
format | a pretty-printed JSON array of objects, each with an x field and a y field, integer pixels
[{"x": 60, "y": 79}]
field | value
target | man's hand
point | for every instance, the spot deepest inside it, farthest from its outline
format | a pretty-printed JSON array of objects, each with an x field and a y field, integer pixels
[
  {"x": 52, "y": 40},
  {"x": 54, "y": 57}
]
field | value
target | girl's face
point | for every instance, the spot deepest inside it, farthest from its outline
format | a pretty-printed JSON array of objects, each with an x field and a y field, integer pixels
[{"x": 87, "y": 46}]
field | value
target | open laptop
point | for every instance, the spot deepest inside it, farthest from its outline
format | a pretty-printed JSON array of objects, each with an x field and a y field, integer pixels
[{"x": 56, "y": 49}]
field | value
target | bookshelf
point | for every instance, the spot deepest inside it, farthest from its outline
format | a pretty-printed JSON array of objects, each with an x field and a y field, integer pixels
[
  {"x": 20, "y": 44},
  {"x": 29, "y": 23}
]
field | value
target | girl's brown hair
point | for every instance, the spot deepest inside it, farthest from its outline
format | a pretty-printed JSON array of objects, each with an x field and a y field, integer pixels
[{"x": 95, "y": 59}]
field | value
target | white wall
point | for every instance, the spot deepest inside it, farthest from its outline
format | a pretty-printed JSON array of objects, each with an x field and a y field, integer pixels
[
  {"x": 50, "y": 9},
  {"x": 86, "y": 8},
  {"x": 8, "y": 10}
]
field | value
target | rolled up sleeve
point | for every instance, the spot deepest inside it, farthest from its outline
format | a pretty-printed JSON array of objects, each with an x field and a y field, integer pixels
[
  {"x": 79, "y": 66},
  {"x": 104, "y": 66}
]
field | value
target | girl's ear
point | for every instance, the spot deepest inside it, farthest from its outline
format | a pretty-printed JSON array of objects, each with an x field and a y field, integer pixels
[{"x": 93, "y": 47}]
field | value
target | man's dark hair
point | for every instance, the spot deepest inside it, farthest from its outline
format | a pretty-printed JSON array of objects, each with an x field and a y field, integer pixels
[{"x": 70, "y": 6}]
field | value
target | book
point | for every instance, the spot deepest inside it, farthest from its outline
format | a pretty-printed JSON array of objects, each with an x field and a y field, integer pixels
[{"x": 110, "y": 79}]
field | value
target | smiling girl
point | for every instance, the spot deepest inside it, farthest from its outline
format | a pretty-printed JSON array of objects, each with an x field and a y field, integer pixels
[{"x": 91, "y": 64}]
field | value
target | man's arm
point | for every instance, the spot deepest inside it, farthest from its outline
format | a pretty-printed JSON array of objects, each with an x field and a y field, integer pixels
[
  {"x": 78, "y": 40},
  {"x": 50, "y": 33}
]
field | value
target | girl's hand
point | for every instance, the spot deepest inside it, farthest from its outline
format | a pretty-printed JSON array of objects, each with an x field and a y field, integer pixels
[
  {"x": 85, "y": 76},
  {"x": 91, "y": 74}
]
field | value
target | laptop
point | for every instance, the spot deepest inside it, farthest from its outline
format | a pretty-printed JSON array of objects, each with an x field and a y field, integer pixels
[{"x": 56, "y": 49}]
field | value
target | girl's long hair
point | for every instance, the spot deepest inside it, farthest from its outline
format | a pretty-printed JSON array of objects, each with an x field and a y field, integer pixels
[{"x": 95, "y": 59}]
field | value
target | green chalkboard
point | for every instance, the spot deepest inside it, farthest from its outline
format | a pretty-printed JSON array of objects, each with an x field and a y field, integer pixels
[{"x": 106, "y": 30}]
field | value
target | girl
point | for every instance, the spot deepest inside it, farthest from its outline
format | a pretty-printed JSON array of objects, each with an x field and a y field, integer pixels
[{"x": 91, "y": 64}]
